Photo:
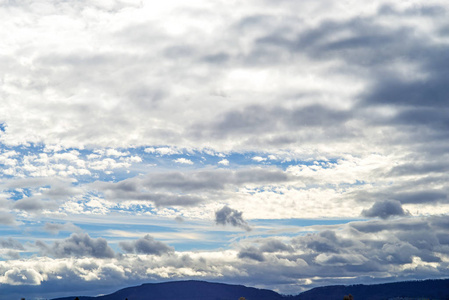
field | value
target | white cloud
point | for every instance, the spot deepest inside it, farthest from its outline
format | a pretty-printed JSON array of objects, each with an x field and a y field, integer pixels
[
  {"x": 224, "y": 162},
  {"x": 183, "y": 160},
  {"x": 259, "y": 158},
  {"x": 22, "y": 277},
  {"x": 163, "y": 151}
]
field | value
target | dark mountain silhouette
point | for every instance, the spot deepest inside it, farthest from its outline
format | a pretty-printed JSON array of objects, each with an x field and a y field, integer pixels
[
  {"x": 425, "y": 289},
  {"x": 201, "y": 290},
  {"x": 187, "y": 290}
]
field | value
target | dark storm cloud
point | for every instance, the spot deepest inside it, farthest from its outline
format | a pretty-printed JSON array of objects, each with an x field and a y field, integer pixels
[
  {"x": 146, "y": 245},
  {"x": 385, "y": 209},
  {"x": 229, "y": 216},
  {"x": 78, "y": 245}
]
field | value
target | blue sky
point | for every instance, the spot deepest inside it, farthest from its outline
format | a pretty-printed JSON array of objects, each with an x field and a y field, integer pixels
[{"x": 276, "y": 144}]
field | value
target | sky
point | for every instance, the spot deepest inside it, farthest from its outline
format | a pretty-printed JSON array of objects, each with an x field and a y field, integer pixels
[{"x": 278, "y": 144}]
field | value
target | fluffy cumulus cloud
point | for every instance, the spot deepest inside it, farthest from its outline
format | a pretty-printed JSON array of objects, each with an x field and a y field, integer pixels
[{"x": 132, "y": 131}]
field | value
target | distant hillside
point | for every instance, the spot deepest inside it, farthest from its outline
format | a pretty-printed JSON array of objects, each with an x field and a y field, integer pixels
[
  {"x": 187, "y": 290},
  {"x": 426, "y": 289},
  {"x": 201, "y": 290}
]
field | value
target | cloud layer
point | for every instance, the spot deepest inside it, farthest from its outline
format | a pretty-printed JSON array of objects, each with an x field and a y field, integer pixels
[{"x": 138, "y": 139}]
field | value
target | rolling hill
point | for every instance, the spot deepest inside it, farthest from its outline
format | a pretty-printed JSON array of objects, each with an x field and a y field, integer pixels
[{"x": 201, "y": 290}]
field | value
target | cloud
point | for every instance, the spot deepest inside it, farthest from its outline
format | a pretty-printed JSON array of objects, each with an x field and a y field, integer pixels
[
  {"x": 230, "y": 216},
  {"x": 429, "y": 196},
  {"x": 55, "y": 228},
  {"x": 224, "y": 162},
  {"x": 400, "y": 248},
  {"x": 146, "y": 245},
  {"x": 33, "y": 205},
  {"x": 11, "y": 244},
  {"x": 78, "y": 245},
  {"x": 7, "y": 219},
  {"x": 259, "y": 158},
  {"x": 163, "y": 150},
  {"x": 385, "y": 209},
  {"x": 272, "y": 245},
  {"x": 251, "y": 253},
  {"x": 259, "y": 124},
  {"x": 352, "y": 102},
  {"x": 21, "y": 277},
  {"x": 184, "y": 161},
  {"x": 187, "y": 188}
]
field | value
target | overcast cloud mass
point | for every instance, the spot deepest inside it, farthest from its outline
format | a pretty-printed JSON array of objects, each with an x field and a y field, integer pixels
[{"x": 277, "y": 144}]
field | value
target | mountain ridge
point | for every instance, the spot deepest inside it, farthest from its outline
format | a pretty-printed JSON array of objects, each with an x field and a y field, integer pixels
[{"x": 435, "y": 289}]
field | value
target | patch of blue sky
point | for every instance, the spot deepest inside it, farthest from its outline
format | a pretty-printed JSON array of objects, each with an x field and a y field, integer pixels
[
  {"x": 167, "y": 159},
  {"x": 171, "y": 233},
  {"x": 17, "y": 194},
  {"x": 15, "y": 232},
  {"x": 300, "y": 222}
]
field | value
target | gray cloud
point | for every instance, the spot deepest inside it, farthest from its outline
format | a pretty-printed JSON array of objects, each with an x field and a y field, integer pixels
[
  {"x": 395, "y": 225},
  {"x": 7, "y": 219},
  {"x": 325, "y": 242},
  {"x": 11, "y": 244},
  {"x": 230, "y": 216},
  {"x": 55, "y": 228},
  {"x": 34, "y": 205},
  {"x": 187, "y": 188},
  {"x": 418, "y": 168},
  {"x": 385, "y": 209},
  {"x": 78, "y": 245},
  {"x": 258, "y": 121},
  {"x": 251, "y": 253},
  {"x": 403, "y": 239},
  {"x": 430, "y": 196},
  {"x": 274, "y": 245},
  {"x": 367, "y": 47},
  {"x": 214, "y": 180},
  {"x": 146, "y": 245},
  {"x": 124, "y": 191}
]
